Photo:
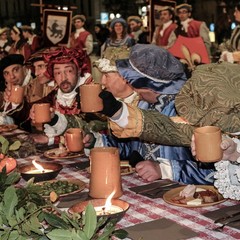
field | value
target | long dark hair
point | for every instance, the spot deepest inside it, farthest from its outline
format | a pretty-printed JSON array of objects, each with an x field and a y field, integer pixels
[{"x": 113, "y": 34}]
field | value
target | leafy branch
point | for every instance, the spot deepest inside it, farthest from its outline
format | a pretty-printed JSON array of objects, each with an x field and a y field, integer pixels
[
  {"x": 24, "y": 214},
  {"x": 6, "y": 146}
]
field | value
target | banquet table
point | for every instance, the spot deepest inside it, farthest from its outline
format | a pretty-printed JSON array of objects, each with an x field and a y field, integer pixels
[{"x": 143, "y": 209}]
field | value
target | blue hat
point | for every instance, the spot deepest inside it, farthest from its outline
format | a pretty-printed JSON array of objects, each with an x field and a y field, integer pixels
[
  {"x": 150, "y": 66},
  {"x": 118, "y": 20}
]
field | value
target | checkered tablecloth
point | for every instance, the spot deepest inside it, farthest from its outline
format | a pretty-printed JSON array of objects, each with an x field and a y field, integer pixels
[{"x": 143, "y": 209}]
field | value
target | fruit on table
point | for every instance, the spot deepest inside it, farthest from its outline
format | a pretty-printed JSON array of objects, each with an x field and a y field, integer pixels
[{"x": 9, "y": 162}]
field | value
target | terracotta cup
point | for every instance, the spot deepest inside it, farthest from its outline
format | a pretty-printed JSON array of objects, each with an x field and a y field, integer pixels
[
  {"x": 17, "y": 94},
  {"x": 74, "y": 139},
  {"x": 207, "y": 142},
  {"x": 42, "y": 112},
  {"x": 105, "y": 172},
  {"x": 90, "y": 101}
]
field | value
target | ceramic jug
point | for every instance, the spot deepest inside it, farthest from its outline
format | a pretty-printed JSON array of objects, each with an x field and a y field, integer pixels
[{"x": 105, "y": 172}]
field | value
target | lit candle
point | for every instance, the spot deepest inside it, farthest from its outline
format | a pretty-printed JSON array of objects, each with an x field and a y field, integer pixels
[
  {"x": 102, "y": 210},
  {"x": 38, "y": 171}
]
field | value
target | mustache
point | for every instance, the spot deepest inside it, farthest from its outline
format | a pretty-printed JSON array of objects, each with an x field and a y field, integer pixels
[{"x": 65, "y": 82}]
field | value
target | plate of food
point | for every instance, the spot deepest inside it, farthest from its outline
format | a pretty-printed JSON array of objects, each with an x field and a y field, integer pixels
[
  {"x": 193, "y": 196},
  {"x": 61, "y": 153},
  {"x": 63, "y": 187},
  {"x": 7, "y": 127}
]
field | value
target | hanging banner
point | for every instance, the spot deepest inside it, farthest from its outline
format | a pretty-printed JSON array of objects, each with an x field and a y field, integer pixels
[{"x": 57, "y": 27}]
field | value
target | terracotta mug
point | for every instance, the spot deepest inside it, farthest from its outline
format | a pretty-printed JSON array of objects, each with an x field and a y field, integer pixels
[
  {"x": 90, "y": 101},
  {"x": 74, "y": 139},
  {"x": 17, "y": 94},
  {"x": 105, "y": 172},
  {"x": 42, "y": 112},
  {"x": 207, "y": 141}
]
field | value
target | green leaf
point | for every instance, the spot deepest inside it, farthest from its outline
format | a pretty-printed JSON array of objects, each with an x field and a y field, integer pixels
[
  {"x": 79, "y": 235},
  {"x": 74, "y": 222},
  {"x": 12, "y": 178},
  {"x": 5, "y": 145},
  {"x": 20, "y": 214},
  {"x": 55, "y": 221},
  {"x": 90, "y": 221},
  {"x": 106, "y": 233},
  {"x": 13, "y": 235},
  {"x": 10, "y": 200},
  {"x": 15, "y": 146},
  {"x": 60, "y": 234},
  {"x": 2, "y": 139},
  {"x": 120, "y": 233},
  {"x": 33, "y": 225}
]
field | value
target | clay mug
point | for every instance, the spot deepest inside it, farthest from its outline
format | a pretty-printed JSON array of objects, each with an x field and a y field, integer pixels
[
  {"x": 74, "y": 139},
  {"x": 207, "y": 142},
  {"x": 17, "y": 94},
  {"x": 105, "y": 171},
  {"x": 90, "y": 101},
  {"x": 42, "y": 112}
]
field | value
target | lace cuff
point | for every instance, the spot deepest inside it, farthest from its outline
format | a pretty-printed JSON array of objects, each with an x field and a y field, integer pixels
[
  {"x": 58, "y": 128},
  {"x": 227, "y": 177}
]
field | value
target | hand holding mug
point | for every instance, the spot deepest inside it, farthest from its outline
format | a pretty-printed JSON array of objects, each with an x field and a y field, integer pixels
[
  {"x": 228, "y": 146},
  {"x": 41, "y": 113}
]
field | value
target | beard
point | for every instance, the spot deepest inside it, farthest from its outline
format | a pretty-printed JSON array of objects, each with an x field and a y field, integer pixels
[{"x": 66, "y": 87}]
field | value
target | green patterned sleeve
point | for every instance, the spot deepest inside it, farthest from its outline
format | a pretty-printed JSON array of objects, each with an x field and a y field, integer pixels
[
  {"x": 160, "y": 129},
  {"x": 77, "y": 121}
]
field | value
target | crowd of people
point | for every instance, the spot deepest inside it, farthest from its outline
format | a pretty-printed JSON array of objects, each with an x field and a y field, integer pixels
[{"x": 150, "y": 104}]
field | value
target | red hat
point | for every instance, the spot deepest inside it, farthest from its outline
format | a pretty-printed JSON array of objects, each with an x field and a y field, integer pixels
[{"x": 66, "y": 55}]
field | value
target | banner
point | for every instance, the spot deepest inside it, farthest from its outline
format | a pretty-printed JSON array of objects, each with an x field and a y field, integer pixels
[{"x": 57, "y": 27}]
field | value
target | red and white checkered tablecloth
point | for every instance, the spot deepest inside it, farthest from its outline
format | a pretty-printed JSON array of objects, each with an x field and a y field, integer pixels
[{"x": 143, "y": 209}]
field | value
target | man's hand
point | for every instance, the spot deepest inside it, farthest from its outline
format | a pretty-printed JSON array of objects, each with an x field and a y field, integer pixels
[
  {"x": 39, "y": 138},
  {"x": 148, "y": 170},
  {"x": 88, "y": 140},
  {"x": 32, "y": 113},
  {"x": 228, "y": 146}
]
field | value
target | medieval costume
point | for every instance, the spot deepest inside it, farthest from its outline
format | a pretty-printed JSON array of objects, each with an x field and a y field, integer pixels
[
  {"x": 117, "y": 38},
  {"x": 191, "y": 28},
  {"x": 82, "y": 39},
  {"x": 162, "y": 33}
]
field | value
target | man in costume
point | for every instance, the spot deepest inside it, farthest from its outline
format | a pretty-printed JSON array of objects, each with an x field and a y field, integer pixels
[
  {"x": 162, "y": 33},
  {"x": 189, "y": 27},
  {"x": 33, "y": 40},
  {"x": 5, "y": 43},
  {"x": 210, "y": 97},
  {"x": 13, "y": 72},
  {"x": 69, "y": 69},
  {"x": 81, "y": 38},
  {"x": 136, "y": 29},
  {"x": 42, "y": 84}
]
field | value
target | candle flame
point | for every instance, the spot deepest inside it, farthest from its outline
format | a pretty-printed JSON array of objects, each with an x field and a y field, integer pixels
[
  {"x": 108, "y": 203},
  {"x": 38, "y": 166}
]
